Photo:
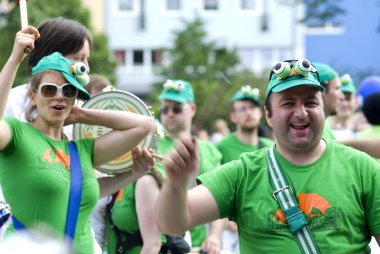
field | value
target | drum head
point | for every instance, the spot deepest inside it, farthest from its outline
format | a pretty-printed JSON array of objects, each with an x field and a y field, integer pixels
[{"x": 114, "y": 100}]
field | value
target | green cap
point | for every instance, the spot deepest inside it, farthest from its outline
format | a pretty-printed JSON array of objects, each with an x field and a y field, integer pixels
[
  {"x": 247, "y": 93},
  {"x": 56, "y": 61},
  {"x": 326, "y": 73},
  {"x": 277, "y": 84},
  {"x": 347, "y": 84},
  {"x": 177, "y": 90}
]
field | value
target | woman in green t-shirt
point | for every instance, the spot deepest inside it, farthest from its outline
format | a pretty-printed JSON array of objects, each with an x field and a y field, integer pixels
[{"x": 34, "y": 159}]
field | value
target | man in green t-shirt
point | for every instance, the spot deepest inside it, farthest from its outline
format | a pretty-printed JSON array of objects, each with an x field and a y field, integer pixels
[
  {"x": 330, "y": 80},
  {"x": 176, "y": 113},
  {"x": 246, "y": 114},
  {"x": 326, "y": 191}
]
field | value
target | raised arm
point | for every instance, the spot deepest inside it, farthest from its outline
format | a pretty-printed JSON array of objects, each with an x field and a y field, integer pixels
[
  {"x": 146, "y": 194},
  {"x": 24, "y": 38},
  {"x": 142, "y": 162},
  {"x": 177, "y": 209},
  {"x": 368, "y": 145},
  {"x": 129, "y": 130}
]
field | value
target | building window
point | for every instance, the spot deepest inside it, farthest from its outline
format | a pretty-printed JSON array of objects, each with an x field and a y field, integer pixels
[
  {"x": 138, "y": 57},
  {"x": 211, "y": 5},
  {"x": 157, "y": 57},
  {"x": 120, "y": 56},
  {"x": 173, "y": 5},
  {"x": 248, "y": 5},
  {"x": 125, "y": 5}
]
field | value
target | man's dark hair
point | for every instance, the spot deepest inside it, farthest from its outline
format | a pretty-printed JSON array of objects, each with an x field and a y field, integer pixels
[
  {"x": 371, "y": 109},
  {"x": 58, "y": 35}
]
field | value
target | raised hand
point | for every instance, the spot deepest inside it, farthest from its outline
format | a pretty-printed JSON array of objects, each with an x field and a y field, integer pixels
[
  {"x": 182, "y": 160},
  {"x": 142, "y": 161},
  {"x": 24, "y": 39}
]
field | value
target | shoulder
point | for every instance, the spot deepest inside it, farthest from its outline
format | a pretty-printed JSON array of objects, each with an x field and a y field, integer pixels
[
  {"x": 349, "y": 154},
  {"x": 226, "y": 139},
  {"x": 13, "y": 123},
  {"x": 207, "y": 146}
]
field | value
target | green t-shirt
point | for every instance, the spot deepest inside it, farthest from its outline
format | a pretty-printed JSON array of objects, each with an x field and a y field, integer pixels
[
  {"x": 231, "y": 147},
  {"x": 35, "y": 177},
  {"x": 338, "y": 194},
  {"x": 328, "y": 133},
  {"x": 209, "y": 158},
  {"x": 373, "y": 131},
  {"x": 124, "y": 217}
]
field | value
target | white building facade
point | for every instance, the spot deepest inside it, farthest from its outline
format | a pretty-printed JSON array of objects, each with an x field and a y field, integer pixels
[{"x": 263, "y": 32}]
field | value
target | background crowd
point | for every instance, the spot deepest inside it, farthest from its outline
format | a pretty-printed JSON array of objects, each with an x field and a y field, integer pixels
[{"x": 124, "y": 219}]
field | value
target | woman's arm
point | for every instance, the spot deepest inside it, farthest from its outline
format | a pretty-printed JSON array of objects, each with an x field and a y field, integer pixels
[
  {"x": 129, "y": 130},
  {"x": 24, "y": 38},
  {"x": 142, "y": 162},
  {"x": 146, "y": 194}
]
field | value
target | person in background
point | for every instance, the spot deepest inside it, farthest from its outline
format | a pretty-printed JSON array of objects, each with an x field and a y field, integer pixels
[
  {"x": 246, "y": 115},
  {"x": 177, "y": 110},
  {"x": 200, "y": 133},
  {"x": 331, "y": 82},
  {"x": 371, "y": 111},
  {"x": 341, "y": 123},
  {"x": 41, "y": 180},
  {"x": 368, "y": 141},
  {"x": 220, "y": 129},
  {"x": 283, "y": 198},
  {"x": 97, "y": 83},
  {"x": 131, "y": 221}
]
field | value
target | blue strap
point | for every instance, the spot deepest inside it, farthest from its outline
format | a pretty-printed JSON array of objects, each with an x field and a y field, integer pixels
[
  {"x": 75, "y": 192},
  {"x": 74, "y": 198},
  {"x": 17, "y": 224}
]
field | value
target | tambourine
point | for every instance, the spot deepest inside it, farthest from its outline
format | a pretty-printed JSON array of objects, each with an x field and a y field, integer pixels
[{"x": 114, "y": 100}]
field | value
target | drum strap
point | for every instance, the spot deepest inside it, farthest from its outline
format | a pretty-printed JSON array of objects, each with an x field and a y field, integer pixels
[
  {"x": 284, "y": 195},
  {"x": 74, "y": 198}
]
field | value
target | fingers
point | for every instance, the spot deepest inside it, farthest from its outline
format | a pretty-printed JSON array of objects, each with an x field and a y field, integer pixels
[
  {"x": 142, "y": 159},
  {"x": 181, "y": 161},
  {"x": 31, "y": 31},
  {"x": 210, "y": 246},
  {"x": 24, "y": 42}
]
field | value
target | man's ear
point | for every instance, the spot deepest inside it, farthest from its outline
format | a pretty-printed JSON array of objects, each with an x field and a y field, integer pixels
[
  {"x": 267, "y": 117},
  {"x": 193, "y": 108}
]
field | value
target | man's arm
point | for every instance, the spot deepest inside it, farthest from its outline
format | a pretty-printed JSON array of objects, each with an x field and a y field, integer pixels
[
  {"x": 178, "y": 209},
  {"x": 370, "y": 146}
]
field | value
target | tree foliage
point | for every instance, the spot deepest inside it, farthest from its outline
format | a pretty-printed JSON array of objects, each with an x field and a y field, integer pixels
[
  {"x": 40, "y": 10},
  {"x": 213, "y": 70},
  {"x": 319, "y": 11}
]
